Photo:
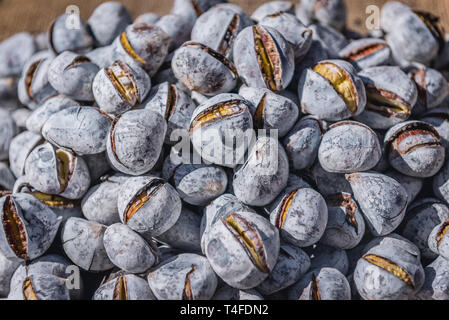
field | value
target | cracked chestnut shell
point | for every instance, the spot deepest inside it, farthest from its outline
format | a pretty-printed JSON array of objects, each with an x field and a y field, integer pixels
[
  {"x": 421, "y": 218},
  {"x": 28, "y": 227},
  {"x": 321, "y": 284},
  {"x": 382, "y": 199},
  {"x": 203, "y": 69},
  {"x": 135, "y": 141},
  {"x": 349, "y": 146},
  {"x": 80, "y": 129},
  {"x": 439, "y": 119},
  {"x": 293, "y": 31},
  {"x": 124, "y": 286},
  {"x": 391, "y": 97},
  {"x": 120, "y": 87},
  {"x": 82, "y": 242},
  {"x": 174, "y": 105},
  {"x": 332, "y": 91},
  {"x": 264, "y": 58},
  {"x": 301, "y": 216},
  {"x": 345, "y": 226},
  {"x": 72, "y": 75},
  {"x": 270, "y": 8},
  {"x": 367, "y": 53},
  {"x": 148, "y": 205},
  {"x": 270, "y": 111},
  {"x": 218, "y": 28},
  {"x": 414, "y": 148},
  {"x": 390, "y": 270},
  {"x": 438, "y": 240},
  {"x": 436, "y": 284},
  {"x": 215, "y": 123},
  {"x": 57, "y": 171},
  {"x": 142, "y": 45},
  {"x": 183, "y": 277},
  {"x": 19, "y": 150},
  {"x": 242, "y": 248}
]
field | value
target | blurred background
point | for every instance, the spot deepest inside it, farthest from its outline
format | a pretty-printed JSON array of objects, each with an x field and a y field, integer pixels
[{"x": 36, "y": 15}]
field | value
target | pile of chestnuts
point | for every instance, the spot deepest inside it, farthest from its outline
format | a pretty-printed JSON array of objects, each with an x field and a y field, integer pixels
[{"x": 210, "y": 154}]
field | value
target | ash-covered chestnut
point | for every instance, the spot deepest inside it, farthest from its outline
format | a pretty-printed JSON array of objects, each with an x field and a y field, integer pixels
[
  {"x": 197, "y": 184},
  {"x": 148, "y": 205},
  {"x": 432, "y": 87},
  {"x": 414, "y": 36},
  {"x": 345, "y": 227},
  {"x": 33, "y": 87},
  {"x": 263, "y": 175},
  {"x": 120, "y": 87},
  {"x": 7, "y": 178},
  {"x": 38, "y": 117},
  {"x": 81, "y": 129},
  {"x": 185, "y": 234},
  {"x": 438, "y": 240},
  {"x": 128, "y": 250},
  {"x": 217, "y": 210},
  {"x": 322, "y": 256},
  {"x": 177, "y": 27},
  {"x": 439, "y": 119},
  {"x": 142, "y": 45},
  {"x": 174, "y": 105},
  {"x": 242, "y": 248},
  {"x": 270, "y": 8},
  {"x": 7, "y": 269},
  {"x": 183, "y": 277},
  {"x": 48, "y": 265},
  {"x": 20, "y": 117},
  {"x": 441, "y": 183},
  {"x": 193, "y": 9},
  {"x": 321, "y": 284},
  {"x": 215, "y": 125},
  {"x": 264, "y": 58},
  {"x": 330, "y": 13},
  {"x": 63, "y": 38},
  {"x": 330, "y": 39},
  {"x": 382, "y": 199},
  {"x": 203, "y": 69},
  {"x": 300, "y": 215},
  {"x": 72, "y": 75},
  {"x": 135, "y": 141},
  {"x": 293, "y": 31},
  {"x": 57, "y": 171},
  {"x": 303, "y": 141},
  {"x": 41, "y": 287},
  {"x": 15, "y": 51},
  {"x": 218, "y": 27},
  {"x": 421, "y": 218},
  {"x": 389, "y": 270},
  {"x": 124, "y": 286},
  {"x": 100, "y": 202},
  {"x": 414, "y": 148},
  {"x": 82, "y": 242},
  {"x": 332, "y": 91},
  {"x": 436, "y": 284},
  {"x": 148, "y": 18},
  {"x": 291, "y": 265},
  {"x": 328, "y": 183},
  {"x": 412, "y": 185},
  {"x": 366, "y": 53},
  {"x": 20, "y": 148},
  {"x": 28, "y": 227},
  {"x": 349, "y": 146},
  {"x": 102, "y": 56},
  {"x": 270, "y": 111},
  {"x": 8, "y": 130},
  {"x": 107, "y": 21},
  {"x": 391, "y": 97}
]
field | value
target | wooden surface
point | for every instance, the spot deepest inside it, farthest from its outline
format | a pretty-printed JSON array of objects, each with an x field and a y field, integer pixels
[{"x": 36, "y": 15}]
